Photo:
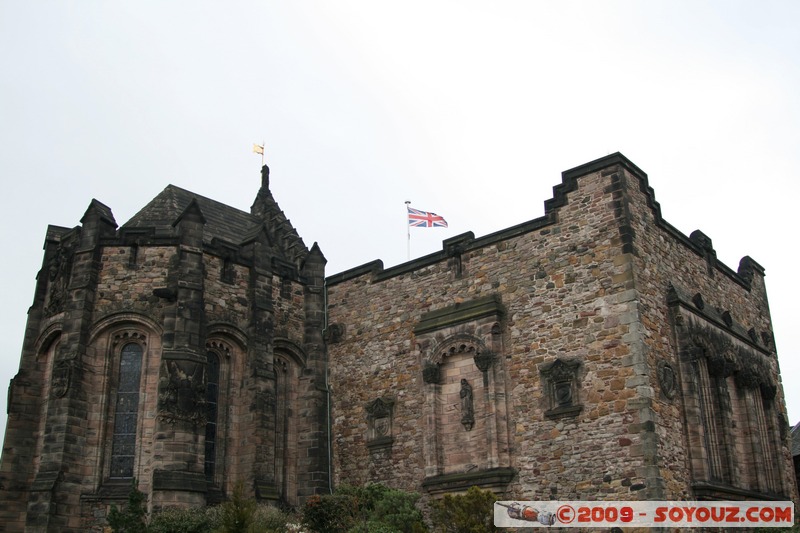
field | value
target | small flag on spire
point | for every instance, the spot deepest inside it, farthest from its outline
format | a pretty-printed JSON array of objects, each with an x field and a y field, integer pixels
[
  {"x": 425, "y": 219},
  {"x": 258, "y": 149}
]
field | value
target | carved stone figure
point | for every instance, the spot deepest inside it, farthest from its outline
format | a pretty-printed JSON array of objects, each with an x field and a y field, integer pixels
[
  {"x": 181, "y": 395},
  {"x": 467, "y": 408},
  {"x": 58, "y": 271}
]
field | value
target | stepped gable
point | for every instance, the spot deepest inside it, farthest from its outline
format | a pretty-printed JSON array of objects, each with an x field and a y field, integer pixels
[{"x": 223, "y": 222}]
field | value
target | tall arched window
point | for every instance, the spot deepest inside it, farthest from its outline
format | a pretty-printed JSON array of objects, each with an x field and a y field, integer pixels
[
  {"x": 212, "y": 398},
  {"x": 286, "y": 431},
  {"x": 126, "y": 413}
]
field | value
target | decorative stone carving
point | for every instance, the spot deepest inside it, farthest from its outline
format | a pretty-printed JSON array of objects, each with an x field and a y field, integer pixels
[
  {"x": 166, "y": 293},
  {"x": 562, "y": 393},
  {"x": 766, "y": 337},
  {"x": 62, "y": 378},
  {"x": 467, "y": 405},
  {"x": 266, "y": 401},
  {"x": 379, "y": 421},
  {"x": 483, "y": 360},
  {"x": 334, "y": 333},
  {"x": 58, "y": 272},
  {"x": 382, "y": 426},
  {"x": 768, "y": 391},
  {"x": 431, "y": 373},
  {"x": 380, "y": 407},
  {"x": 128, "y": 336},
  {"x": 727, "y": 318},
  {"x": 560, "y": 378},
  {"x": 718, "y": 366},
  {"x": 667, "y": 379},
  {"x": 181, "y": 392},
  {"x": 697, "y": 299}
]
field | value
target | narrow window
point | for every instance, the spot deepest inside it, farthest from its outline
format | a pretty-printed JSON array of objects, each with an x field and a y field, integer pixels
[
  {"x": 713, "y": 397},
  {"x": 123, "y": 448},
  {"x": 212, "y": 396}
]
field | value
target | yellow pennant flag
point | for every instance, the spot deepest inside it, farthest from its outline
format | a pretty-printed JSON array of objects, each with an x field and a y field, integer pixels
[{"x": 258, "y": 149}]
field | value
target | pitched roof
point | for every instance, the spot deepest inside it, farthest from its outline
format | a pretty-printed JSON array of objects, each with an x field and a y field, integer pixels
[
  {"x": 796, "y": 440},
  {"x": 222, "y": 221}
]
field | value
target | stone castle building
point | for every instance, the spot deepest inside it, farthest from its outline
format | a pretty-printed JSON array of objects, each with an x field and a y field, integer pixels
[{"x": 593, "y": 353}]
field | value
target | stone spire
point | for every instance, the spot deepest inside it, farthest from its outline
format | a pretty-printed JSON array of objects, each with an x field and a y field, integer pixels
[{"x": 279, "y": 227}]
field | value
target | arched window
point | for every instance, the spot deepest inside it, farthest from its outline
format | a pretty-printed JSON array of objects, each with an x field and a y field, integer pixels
[
  {"x": 212, "y": 398},
  {"x": 286, "y": 430},
  {"x": 126, "y": 413}
]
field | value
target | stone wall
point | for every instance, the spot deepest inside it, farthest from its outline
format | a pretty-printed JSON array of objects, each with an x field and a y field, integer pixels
[
  {"x": 169, "y": 288},
  {"x": 581, "y": 325},
  {"x": 687, "y": 288}
]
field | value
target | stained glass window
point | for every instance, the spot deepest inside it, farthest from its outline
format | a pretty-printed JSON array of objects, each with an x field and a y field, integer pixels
[
  {"x": 123, "y": 448},
  {"x": 212, "y": 396}
]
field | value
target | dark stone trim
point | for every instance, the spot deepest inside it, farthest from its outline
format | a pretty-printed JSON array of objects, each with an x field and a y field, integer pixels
[
  {"x": 568, "y": 184},
  {"x": 431, "y": 373},
  {"x": 718, "y": 491},
  {"x": 678, "y": 297},
  {"x": 460, "y": 313},
  {"x": 46, "y": 481},
  {"x": 495, "y": 478},
  {"x": 380, "y": 443},
  {"x": 183, "y": 355},
  {"x": 373, "y": 267},
  {"x": 113, "y": 489},
  {"x": 179, "y": 480},
  {"x": 266, "y": 490},
  {"x": 563, "y": 412},
  {"x": 214, "y": 496}
]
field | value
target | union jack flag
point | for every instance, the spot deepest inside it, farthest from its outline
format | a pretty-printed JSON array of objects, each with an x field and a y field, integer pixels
[{"x": 424, "y": 219}]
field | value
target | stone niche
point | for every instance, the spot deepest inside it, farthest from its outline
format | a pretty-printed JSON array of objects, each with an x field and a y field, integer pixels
[{"x": 465, "y": 412}]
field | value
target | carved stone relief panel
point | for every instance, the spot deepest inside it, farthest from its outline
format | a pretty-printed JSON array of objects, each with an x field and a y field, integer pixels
[
  {"x": 379, "y": 422},
  {"x": 181, "y": 392},
  {"x": 560, "y": 380}
]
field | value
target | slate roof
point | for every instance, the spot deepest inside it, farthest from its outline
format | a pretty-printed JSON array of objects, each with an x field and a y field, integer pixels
[
  {"x": 796, "y": 440},
  {"x": 222, "y": 221}
]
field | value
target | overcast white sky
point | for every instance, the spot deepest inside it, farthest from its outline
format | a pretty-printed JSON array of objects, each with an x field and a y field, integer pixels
[{"x": 470, "y": 109}]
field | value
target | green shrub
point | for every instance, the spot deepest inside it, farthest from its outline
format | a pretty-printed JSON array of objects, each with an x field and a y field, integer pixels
[
  {"x": 332, "y": 513},
  {"x": 472, "y": 512},
  {"x": 237, "y": 514},
  {"x": 131, "y": 519},
  {"x": 372, "y": 508},
  {"x": 173, "y": 520},
  {"x": 366, "y": 497},
  {"x": 397, "y": 509},
  {"x": 373, "y": 527},
  {"x": 269, "y": 520},
  {"x": 231, "y": 516}
]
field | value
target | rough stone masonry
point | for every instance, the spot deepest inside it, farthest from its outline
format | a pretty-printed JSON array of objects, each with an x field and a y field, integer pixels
[{"x": 593, "y": 353}]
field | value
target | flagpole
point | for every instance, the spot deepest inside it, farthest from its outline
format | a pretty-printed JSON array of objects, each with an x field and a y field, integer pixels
[
  {"x": 263, "y": 149},
  {"x": 408, "y": 232}
]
